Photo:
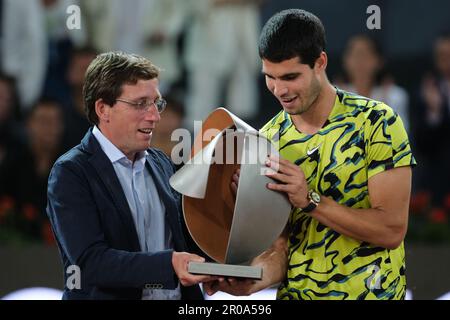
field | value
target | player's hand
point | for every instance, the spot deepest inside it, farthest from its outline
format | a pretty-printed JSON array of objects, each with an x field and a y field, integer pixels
[
  {"x": 233, "y": 286},
  {"x": 235, "y": 181},
  {"x": 292, "y": 180}
]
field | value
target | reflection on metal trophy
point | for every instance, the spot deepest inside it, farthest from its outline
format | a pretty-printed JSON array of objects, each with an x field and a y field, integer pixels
[{"x": 230, "y": 228}]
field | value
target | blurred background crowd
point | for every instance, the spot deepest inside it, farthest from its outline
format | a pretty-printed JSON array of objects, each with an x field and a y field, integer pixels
[{"x": 207, "y": 50}]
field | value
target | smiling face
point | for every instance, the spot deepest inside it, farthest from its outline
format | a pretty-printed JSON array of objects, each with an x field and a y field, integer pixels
[
  {"x": 129, "y": 129},
  {"x": 295, "y": 85}
]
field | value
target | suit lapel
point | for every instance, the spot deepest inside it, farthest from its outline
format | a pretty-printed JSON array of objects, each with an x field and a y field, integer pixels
[{"x": 106, "y": 172}]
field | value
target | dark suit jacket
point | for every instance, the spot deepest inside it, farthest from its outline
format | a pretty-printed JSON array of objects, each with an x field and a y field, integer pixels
[
  {"x": 94, "y": 228},
  {"x": 427, "y": 135}
]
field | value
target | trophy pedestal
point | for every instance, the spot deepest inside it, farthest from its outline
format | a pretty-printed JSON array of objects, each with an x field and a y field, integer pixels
[{"x": 227, "y": 270}]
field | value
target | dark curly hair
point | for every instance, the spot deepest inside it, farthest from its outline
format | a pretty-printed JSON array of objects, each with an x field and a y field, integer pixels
[{"x": 292, "y": 33}]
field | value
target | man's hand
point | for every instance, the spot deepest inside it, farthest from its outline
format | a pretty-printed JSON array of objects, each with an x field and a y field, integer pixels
[
  {"x": 292, "y": 178},
  {"x": 180, "y": 261},
  {"x": 233, "y": 286},
  {"x": 235, "y": 181}
]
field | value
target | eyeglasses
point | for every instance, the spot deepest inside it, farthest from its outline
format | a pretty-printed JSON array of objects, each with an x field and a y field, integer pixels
[{"x": 145, "y": 104}]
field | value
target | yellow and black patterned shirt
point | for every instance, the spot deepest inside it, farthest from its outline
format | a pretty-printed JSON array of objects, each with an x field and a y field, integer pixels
[{"x": 361, "y": 138}]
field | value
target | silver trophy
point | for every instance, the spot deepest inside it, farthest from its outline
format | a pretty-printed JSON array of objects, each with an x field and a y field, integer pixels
[{"x": 230, "y": 228}]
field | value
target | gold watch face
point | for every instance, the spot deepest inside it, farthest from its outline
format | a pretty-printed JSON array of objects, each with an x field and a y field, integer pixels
[{"x": 314, "y": 196}]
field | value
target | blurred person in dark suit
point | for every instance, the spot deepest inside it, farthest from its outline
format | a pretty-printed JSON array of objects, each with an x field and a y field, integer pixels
[
  {"x": 433, "y": 122},
  {"x": 44, "y": 128},
  {"x": 11, "y": 132}
]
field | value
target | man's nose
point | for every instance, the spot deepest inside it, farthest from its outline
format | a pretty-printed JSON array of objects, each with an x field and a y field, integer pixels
[
  {"x": 279, "y": 89},
  {"x": 152, "y": 114}
]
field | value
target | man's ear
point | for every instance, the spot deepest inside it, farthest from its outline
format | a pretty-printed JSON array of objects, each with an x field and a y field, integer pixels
[
  {"x": 322, "y": 62},
  {"x": 102, "y": 110}
]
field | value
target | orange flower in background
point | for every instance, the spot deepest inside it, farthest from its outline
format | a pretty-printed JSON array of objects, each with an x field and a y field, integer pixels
[
  {"x": 419, "y": 201},
  {"x": 6, "y": 204},
  {"x": 30, "y": 212},
  {"x": 438, "y": 215},
  {"x": 47, "y": 234},
  {"x": 447, "y": 202}
]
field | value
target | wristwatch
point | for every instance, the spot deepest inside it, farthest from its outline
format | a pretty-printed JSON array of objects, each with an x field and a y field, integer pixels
[{"x": 314, "y": 200}]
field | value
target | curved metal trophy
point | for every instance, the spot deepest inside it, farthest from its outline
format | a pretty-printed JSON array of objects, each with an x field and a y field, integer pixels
[{"x": 231, "y": 229}]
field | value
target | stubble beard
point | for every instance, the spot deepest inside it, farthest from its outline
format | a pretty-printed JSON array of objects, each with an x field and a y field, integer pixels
[{"x": 314, "y": 91}]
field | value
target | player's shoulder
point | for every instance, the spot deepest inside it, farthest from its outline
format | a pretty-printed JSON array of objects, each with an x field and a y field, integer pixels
[
  {"x": 274, "y": 121},
  {"x": 367, "y": 108},
  {"x": 279, "y": 124}
]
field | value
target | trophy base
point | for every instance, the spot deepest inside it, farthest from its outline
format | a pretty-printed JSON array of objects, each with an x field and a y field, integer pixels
[{"x": 227, "y": 270}]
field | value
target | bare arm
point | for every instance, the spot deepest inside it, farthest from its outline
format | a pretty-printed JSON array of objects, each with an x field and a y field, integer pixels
[
  {"x": 274, "y": 262},
  {"x": 384, "y": 224}
]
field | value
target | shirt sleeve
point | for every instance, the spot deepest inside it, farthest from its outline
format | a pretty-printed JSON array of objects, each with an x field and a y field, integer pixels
[{"x": 386, "y": 141}]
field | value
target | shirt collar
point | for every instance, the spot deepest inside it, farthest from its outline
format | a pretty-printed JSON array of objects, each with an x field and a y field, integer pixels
[{"x": 112, "y": 152}]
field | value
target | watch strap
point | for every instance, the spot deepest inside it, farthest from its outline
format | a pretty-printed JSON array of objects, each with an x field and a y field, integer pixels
[{"x": 310, "y": 207}]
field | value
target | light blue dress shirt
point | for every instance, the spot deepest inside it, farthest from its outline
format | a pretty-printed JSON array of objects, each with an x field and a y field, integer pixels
[{"x": 146, "y": 207}]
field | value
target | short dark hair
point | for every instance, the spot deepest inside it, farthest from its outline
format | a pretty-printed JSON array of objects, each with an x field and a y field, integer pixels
[
  {"x": 44, "y": 101},
  {"x": 373, "y": 43},
  {"x": 292, "y": 33},
  {"x": 106, "y": 75}
]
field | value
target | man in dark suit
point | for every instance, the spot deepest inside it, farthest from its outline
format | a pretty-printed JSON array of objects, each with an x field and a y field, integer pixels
[
  {"x": 433, "y": 125},
  {"x": 112, "y": 210}
]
